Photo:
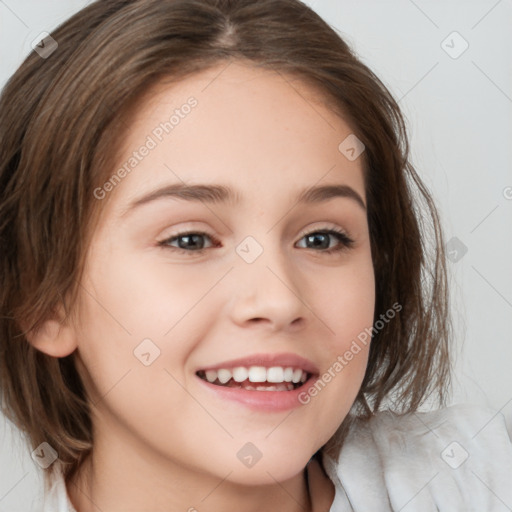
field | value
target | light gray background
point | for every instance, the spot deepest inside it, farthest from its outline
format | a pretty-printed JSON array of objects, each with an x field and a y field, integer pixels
[{"x": 459, "y": 113}]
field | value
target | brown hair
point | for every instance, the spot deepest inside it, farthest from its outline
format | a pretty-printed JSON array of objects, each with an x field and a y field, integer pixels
[{"x": 61, "y": 120}]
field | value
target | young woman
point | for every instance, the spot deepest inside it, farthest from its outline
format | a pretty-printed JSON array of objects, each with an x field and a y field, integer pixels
[{"x": 216, "y": 290}]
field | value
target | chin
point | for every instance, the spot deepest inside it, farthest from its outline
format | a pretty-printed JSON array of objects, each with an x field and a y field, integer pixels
[{"x": 266, "y": 464}]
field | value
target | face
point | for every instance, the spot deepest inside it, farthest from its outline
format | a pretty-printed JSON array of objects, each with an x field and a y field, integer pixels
[{"x": 255, "y": 286}]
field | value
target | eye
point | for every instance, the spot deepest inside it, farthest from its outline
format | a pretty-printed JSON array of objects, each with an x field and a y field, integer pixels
[
  {"x": 190, "y": 241},
  {"x": 193, "y": 241},
  {"x": 321, "y": 238}
]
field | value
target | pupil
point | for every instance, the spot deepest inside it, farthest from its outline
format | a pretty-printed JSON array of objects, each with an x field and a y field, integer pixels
[
  {"x": 190, "y": 241},
  {"x": 316, "y": 243}
]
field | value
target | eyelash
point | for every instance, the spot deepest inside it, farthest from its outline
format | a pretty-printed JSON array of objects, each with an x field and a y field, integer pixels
[{"x": 346, "y": 242}]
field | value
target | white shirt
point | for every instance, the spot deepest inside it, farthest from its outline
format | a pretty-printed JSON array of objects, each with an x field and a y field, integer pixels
[{"x": 450, "y": 460}]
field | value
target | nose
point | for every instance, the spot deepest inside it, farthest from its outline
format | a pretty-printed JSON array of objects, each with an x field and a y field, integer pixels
[{"x": 267, "y": 292}]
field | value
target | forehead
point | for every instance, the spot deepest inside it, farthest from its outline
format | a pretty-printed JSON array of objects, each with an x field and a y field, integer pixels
[{"x": 261, "y": 131}]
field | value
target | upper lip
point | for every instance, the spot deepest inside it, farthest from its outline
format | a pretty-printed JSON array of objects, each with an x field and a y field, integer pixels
[{"x": 285, "y": 360}]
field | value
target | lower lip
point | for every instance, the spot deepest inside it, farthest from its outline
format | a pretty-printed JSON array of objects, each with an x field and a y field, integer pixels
[{"x": 272, "y": 401}]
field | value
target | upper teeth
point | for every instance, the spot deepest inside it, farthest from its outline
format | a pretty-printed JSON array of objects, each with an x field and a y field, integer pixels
[{"x": 274, "y": 374}]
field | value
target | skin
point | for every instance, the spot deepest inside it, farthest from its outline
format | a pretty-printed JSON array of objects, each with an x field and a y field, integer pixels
[{"x": 162, "y": 443}]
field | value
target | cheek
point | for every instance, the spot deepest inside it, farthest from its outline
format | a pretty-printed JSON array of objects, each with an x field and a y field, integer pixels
[
  {"x": 348, "y": 304},
  {"x": 135, "y": 338},
  {"x": 137, "y": 311},
  {"x": 132, "y": 299},
  {"x": 348, "y": 312}
]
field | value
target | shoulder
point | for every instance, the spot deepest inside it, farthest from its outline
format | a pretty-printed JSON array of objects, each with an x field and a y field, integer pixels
[{"x": 457, "y": 458}]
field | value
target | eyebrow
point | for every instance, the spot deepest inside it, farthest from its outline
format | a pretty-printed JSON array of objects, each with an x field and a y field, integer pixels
[{"x": 224, "y": 194}]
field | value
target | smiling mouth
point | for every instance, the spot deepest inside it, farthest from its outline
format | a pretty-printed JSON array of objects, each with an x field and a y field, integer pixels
[{"x": 256, "y": 378}]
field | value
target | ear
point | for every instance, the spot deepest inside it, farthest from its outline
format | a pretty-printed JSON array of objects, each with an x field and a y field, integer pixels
[{"x": 56, "y": 337}]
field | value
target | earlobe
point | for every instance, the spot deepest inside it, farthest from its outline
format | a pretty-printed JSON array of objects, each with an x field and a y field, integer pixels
[{"x": 55, "y": 337}]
